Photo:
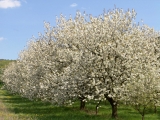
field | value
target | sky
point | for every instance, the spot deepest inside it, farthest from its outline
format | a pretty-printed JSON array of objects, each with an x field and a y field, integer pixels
[{"x": 22, "y": 19}]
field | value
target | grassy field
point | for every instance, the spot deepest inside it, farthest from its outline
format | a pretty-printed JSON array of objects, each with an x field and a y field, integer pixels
[{"x": 17, "y": 108}]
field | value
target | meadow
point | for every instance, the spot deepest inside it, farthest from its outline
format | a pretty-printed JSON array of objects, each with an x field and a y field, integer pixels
[{"x": 14, "y": 107}]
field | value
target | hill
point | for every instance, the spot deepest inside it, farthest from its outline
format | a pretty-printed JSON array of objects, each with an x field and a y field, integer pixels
[{"x": 4, "y": 63}]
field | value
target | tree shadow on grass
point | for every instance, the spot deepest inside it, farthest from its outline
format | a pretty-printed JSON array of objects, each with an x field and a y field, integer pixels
[
  {"x": 135, "y": 115},
  {"x": 44, "y": 111}
]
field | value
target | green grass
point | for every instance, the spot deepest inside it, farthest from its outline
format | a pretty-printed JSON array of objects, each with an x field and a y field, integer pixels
[{"x": 37, "y": 110}]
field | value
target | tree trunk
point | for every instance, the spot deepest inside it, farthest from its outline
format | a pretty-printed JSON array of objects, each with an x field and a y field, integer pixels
[
  {"x": 142, "y": 117},
  {"x": 155, "y": 109},
  {"x": 82, "y": 105},
  {"x": 82, "y": 102},
  {"x": 143, "y": 113},
  {"x": 114, "y": 107},
  {"x": 97, "y": 106}
]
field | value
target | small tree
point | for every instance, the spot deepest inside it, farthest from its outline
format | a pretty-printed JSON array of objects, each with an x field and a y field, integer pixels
[{"x": 143, "y": 89}]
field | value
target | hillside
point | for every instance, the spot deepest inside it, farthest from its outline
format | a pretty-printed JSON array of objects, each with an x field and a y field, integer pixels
[{"x": 4, "y": 63}]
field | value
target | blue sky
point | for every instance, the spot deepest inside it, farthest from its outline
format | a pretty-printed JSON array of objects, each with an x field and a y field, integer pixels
[{"x": 22, "y": 19}]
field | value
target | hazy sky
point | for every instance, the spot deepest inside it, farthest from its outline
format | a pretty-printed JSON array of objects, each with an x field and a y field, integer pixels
[{"x": 22, "y": 19}]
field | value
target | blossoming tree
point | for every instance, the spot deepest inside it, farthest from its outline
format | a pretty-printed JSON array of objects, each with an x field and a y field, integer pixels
[
  {"x": 105, "y": 45},
  {"x": 88, "y": 58}
]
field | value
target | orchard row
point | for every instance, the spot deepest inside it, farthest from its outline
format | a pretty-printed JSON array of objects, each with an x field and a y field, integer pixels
[{"x": 109, "y": 57}]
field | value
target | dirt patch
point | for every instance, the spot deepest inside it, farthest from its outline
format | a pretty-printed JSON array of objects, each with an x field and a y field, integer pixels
[{"x": 5, "y": 114}]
